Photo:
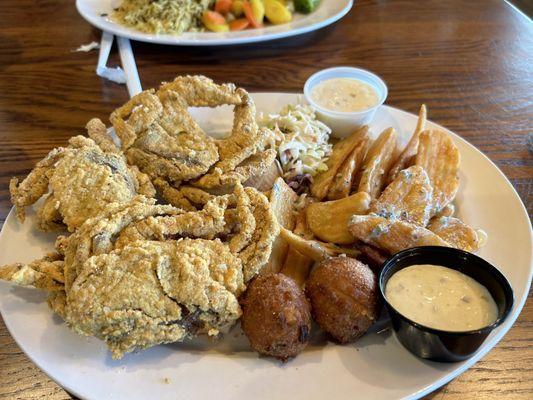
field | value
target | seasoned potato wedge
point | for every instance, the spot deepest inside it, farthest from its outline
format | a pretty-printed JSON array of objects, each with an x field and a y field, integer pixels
[
  {"x": 298, "y": 265},
  {"x": 344, "y": 180},
  {"x": 455, "y": 232},
  {"x": 408, "y": 197},
  {"x": 447, "y": 211},
  {"x": 439, "y": 157},
  {"x": 316, "y": 250},
  {"x": 282, "y": 199},
  {"x": 392, "y": 235},
  {"x": 329, "y": 220},
  {"x": 265, "y": 180},
  {"x": 406, "y": 158},
  {"x": 377, "y": 163},
  {"x": 323, "y": 180}
]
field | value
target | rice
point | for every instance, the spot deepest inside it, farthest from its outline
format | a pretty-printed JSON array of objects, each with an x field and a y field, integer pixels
[{"x": 162, "y": 16}]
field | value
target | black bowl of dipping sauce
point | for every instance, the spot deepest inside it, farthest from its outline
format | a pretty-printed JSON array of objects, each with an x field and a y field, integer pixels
[{"x": 440, "y": 345}]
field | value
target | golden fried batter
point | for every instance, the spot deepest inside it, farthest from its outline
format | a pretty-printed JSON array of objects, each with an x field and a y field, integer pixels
[
  {"x": 439, "y": 157},
  {"x": 82, "y": 180},
  {"x": 256, "y": 254},
  {"x": 141, "y": 274},
  {"x": 45, "y": 273},
  {"x": 406, "y": 158},
  {"x": 161, "y": 138},
  {"x": 377, "y": 163},
  {"x": 156, "y": 292},
  {"x": 391, "y": 235},
  {"x": 254, "y": 165},
  {"x": 186, "y": 197},
  {"x": 408, "y": 197},
  {"x": 455, "y": 232}
]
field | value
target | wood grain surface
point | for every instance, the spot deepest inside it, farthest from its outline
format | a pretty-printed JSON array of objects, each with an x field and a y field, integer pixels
[{"x": 470, "y": 61}]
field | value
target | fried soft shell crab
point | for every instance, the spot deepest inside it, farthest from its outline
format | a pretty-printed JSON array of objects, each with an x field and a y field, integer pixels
[
  {"x": 143, "y": 274},
  {"x": 82, "y": 180},
  {"x": 137, "y": 274},
  {"x": 159, "y": 135}
]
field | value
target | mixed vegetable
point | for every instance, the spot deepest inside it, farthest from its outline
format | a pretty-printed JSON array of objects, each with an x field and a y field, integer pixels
[{"x": 236, "y": 15}]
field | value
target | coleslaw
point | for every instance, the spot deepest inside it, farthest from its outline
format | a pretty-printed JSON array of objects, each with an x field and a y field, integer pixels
[{"x": 302, "y": 141}]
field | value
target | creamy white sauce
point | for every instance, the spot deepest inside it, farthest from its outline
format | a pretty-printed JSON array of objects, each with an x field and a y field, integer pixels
[
  {"x": 344, "y": 94},
  {"x": 441, "y": 298}
]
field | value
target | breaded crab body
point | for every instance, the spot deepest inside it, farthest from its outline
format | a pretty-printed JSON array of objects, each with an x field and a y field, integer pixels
[
  {"x": 142, "y": 274},
  {"x": 78, "y": 182}
]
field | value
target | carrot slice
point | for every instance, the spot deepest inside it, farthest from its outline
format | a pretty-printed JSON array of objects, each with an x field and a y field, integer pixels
[
  {"x": 214, "y": 17},
  {"x": 239, "y": 24},
  {"x": 250, "y": 14},
  {"x": 223, "y": 6}
]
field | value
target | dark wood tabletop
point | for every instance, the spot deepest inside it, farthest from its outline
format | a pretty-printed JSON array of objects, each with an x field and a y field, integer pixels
[{"x": 469, "y": 61}]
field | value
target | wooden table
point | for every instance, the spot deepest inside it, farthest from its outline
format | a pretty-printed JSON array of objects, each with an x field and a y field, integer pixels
[{"x": 470, "y": 61}]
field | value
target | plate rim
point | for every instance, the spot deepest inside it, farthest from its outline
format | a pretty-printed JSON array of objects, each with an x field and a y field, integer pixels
[
  {"x": 125, "y": 32},
  {"x": 488, "y": 346}
]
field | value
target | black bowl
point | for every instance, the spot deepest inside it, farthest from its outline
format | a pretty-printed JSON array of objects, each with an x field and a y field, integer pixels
[{"x": 435, "y": 344}]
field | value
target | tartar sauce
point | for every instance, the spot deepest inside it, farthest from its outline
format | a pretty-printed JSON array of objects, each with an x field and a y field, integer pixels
[
  {"x": 344, "y": 94},
  {"x": 441, "y": 298}
]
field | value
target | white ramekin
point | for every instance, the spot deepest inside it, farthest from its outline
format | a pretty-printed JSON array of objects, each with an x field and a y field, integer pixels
[{"x": 344, "y": 123}]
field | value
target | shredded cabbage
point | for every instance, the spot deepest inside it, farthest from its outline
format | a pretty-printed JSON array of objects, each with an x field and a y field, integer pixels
[{"x": 301, "y": 140}]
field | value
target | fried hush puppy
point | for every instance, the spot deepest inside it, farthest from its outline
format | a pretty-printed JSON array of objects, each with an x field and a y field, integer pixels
[
  {"x": 276, "y": 316},
  {"x": 344, "y": 297}
]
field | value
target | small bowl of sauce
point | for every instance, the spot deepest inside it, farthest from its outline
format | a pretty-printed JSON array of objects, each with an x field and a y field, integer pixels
[
  {"x": 345, "y": 98},
  {"x": 443, "y": 302}
]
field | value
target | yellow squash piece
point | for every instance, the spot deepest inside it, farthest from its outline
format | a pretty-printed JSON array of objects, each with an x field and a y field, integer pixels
[
  {"x": 276, "y": 12},
  {"x": 237, "y": 8},
  {"x": 258, "y": 10},
  {"x": 212, "y": 24}
]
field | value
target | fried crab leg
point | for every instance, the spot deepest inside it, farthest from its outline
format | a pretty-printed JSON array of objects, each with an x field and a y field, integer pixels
[
  {"x": 35, "y": 185},
  {"x": 45, "y": 273}
]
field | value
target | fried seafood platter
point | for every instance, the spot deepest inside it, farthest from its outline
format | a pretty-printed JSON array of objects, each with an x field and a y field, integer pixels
[{"x": 164, "y": 233}]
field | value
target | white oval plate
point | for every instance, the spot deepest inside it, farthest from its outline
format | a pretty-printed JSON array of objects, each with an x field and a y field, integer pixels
[
  {"x": 376, "y": 367},
  {"x": 327, "y": 13}
]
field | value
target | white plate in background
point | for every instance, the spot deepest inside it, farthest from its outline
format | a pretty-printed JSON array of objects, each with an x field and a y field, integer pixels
[{"x": 97, "y": 13}]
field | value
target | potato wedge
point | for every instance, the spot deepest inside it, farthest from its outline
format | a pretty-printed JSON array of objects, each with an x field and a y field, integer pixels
[
  {"x": 266, "y": 180},
  {"x": 406, "y": 158},
  {"x": 408, "y": 197},
  {"x": 314, "y": 249},
  {"x": 377, "y": 163},
  {"x": 282, "y": 199},
  {"x": 329, "y": 220},
  {"x": 447, "y": 211},
  {"x": 323, "y": 180},
  {"x": 297, "y": 265},
  {"x": 455, "y": 232},
  {"x": 344, "y": 180},
  {"x": 439, "y": 157},
  {"x": 392, "y": 235}
]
